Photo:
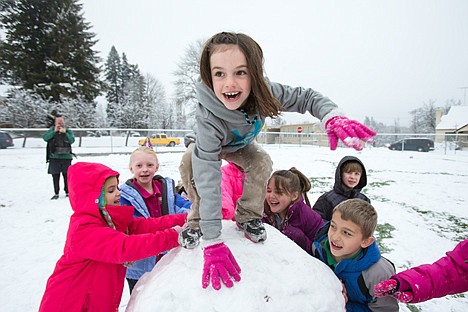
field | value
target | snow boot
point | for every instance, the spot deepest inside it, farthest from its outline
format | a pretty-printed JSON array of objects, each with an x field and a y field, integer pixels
[
  {"x": 190, "y": 238},
  {"x": 253, "y": 230}
]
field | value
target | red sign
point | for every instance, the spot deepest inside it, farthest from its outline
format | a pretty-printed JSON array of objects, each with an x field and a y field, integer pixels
[{"x": 299, "y": 129}]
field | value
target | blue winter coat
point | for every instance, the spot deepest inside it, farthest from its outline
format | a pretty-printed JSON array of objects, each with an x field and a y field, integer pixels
[
  {"x": 360, "y": 275},
  {"x": 131, "y": 197}
]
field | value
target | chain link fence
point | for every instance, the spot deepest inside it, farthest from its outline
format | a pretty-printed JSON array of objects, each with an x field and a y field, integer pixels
[{"x": 114, "y": 139}]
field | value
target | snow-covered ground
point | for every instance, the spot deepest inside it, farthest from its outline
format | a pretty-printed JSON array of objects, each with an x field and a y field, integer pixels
[{"x": 421, "y": 199}]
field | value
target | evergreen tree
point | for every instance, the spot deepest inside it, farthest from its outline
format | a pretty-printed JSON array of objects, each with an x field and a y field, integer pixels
[
  {"x": 134, "y": 110},
  {"x": 48, "y": 49},
  {"x": 113, "y": 84},
  {"x": 126, "y": 93}
]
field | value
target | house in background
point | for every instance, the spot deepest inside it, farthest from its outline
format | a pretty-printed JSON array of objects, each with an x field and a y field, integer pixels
[
  {"x": 304, "y": 133},
  {"x": 455, "y": 122}
]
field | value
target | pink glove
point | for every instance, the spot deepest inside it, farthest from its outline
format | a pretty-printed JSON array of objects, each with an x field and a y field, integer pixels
[
  {"x": 351, "y": 132},
  {"x": 219, "y": 261},
  {"x": 391, "y": 287}
]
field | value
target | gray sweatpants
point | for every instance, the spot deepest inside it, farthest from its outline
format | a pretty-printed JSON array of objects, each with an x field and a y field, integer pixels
[{"x": 257, "y": 165}]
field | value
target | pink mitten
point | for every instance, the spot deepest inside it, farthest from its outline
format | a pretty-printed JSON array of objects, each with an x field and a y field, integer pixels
[
  {"x": 351, "y": 132},
  {"x": 219, "y": 262},
  {"x": 391, "y": 287},
  {"x": 386, "y": 288}
]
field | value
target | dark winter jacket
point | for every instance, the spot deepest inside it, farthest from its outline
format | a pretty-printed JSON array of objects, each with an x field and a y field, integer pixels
[
  {"x": 300, "y": 224},
  {"x": 131, "y": 197},
  {"x": 59, "y": 144},
  {"x": 329, "y": 200},
  {"x": 359, "y": 275},
  {"x": 90, "y": 274}
]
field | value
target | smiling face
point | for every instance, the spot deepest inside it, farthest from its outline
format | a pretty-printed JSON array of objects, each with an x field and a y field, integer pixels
[
  {"x": 351, "y": 179},
  {"x": 277, "y": 199},
  {"x": 144, "y": 165},
  {"x": 112, "y": 192},
  {"x": 230, "y": 76},
  {"x": 345, "y": 238}
]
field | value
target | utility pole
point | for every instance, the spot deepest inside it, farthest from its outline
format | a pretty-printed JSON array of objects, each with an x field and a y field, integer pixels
[{"x": 464, "y": 95}]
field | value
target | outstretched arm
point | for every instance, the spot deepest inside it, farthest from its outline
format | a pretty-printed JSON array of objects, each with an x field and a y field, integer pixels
[
  {"x": 446, "y": 276},
  {"x": 337, "y": 126}
]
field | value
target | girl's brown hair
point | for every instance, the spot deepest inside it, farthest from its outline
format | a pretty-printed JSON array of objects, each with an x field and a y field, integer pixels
[
  {"x": 291, "y": 181},
  {"x": 263, "y": 101}
]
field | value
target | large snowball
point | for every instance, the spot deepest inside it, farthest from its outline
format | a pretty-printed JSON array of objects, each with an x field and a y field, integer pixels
[{"x": 277, "y": 275}]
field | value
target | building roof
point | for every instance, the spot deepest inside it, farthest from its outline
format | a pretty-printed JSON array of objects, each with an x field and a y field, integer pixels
[{"x": 456, "y": 118}]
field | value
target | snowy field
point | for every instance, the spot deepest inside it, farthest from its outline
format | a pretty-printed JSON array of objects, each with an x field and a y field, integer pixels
[{"x": 421, "y": 199}]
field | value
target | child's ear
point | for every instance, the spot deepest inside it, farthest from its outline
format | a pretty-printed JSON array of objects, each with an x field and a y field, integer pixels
[
  {"x": 367, "y": 242},
  {"x": 295, "y": 196}
]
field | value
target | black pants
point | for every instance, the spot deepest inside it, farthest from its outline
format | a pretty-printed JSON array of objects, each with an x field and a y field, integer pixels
[
  {"x": 57, "y": 167},
  {"x": 56, "y": 179}
]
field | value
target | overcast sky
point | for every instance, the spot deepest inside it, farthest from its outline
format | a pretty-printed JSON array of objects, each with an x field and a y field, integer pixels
[{"x": 372, "y": 57}]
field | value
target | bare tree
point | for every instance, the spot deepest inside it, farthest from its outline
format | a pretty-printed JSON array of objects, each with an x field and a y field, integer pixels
[
  {"x": 161, "y": 115},
  {"x": 187, "y": 73},
  {"x": 423, "y": 120}
]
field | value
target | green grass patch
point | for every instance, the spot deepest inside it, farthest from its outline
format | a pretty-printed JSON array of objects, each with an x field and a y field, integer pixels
[
  {"x": 321, "y": 184},
  {"x": 380, "y": 184},
  {"x": 413, "y": 308},
  {"x": 382, "y": 232}
]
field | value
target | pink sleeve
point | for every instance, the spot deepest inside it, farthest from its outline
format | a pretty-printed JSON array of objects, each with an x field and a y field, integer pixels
[
  {"x": 446, "y": 276},
  {"x": 151, "y": 225},
  {"x": 103, "y": 243}
]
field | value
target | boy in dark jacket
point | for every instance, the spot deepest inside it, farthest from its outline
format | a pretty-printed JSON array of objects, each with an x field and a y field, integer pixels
[
  {"x": 350, "y": 179},
  {"x": 347, "y": 246}
]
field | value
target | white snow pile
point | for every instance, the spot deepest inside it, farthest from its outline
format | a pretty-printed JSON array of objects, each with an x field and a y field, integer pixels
[{"x": 276, "y": 275}]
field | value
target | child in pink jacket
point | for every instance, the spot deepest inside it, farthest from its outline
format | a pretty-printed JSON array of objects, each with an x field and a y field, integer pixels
[
  {"x": 103, "y": 239},
  {"x": 232, "y": 184},
  {"x": 446, "y": 276}
]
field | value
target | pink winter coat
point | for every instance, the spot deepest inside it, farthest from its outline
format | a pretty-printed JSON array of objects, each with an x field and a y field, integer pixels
[
  {"x": 446, "y": 276},
  {"x": 90, "y": 276},
  {"x": 231, "y": 189}
]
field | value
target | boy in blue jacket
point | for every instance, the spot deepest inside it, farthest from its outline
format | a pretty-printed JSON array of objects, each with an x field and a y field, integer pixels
[
  {"x": 152, "y": 196},
  {"x": 347, "y": 246}
]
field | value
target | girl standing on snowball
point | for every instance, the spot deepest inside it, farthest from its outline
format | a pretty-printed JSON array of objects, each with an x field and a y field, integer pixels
[{"x": 234, "y": 99}]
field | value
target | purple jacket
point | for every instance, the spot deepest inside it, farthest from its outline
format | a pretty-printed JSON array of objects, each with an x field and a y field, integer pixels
[
  {"x": 446, "y": 276},
  {"x": 300, "y": 224}
]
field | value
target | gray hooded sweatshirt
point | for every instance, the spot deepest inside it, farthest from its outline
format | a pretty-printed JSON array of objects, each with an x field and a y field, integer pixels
[{"x": 220, "y": 131}]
